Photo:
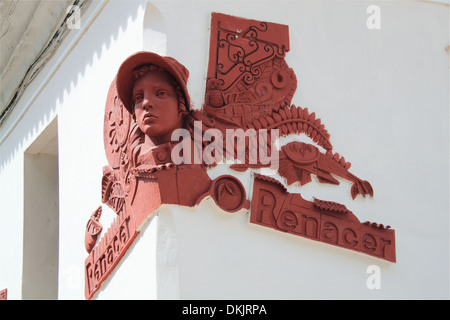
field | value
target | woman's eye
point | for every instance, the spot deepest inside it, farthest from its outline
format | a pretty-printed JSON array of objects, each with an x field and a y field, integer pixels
[
  {"x": 161, "y": 93},
  {"x": 138, "y": 98}
]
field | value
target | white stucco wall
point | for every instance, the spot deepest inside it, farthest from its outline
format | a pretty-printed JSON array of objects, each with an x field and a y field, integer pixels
[
  {"x": 382, "y": 94},
  {"x": 73, "y": 85}
]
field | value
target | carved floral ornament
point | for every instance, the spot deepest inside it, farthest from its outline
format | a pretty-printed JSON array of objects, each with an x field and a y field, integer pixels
[{"x": 249, "y": 89}]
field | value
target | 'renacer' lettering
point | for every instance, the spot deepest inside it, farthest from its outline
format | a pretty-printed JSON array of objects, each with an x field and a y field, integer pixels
[
  {"x": 108, "y": 252},
  {"x": 324, "y": 221}
]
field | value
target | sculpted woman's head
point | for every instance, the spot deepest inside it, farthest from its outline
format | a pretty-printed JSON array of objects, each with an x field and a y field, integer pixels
[
  {"x": 159, "y": 105},
  {"x": 153, "y": 88}
]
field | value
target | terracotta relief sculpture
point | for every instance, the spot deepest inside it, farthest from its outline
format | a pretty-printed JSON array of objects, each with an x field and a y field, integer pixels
[
  {"x": 146, "y": 103},
  {"x": 325, "y": 221},
  {"x": 159, "y": 147},
  {"x": 4, "y": 294}
]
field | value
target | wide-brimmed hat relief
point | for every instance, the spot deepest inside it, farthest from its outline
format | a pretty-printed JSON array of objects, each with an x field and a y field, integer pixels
[{"x": 125, "y": 78}]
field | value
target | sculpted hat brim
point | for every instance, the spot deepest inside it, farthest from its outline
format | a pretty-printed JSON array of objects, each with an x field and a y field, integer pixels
[{"x": 125, "y": 78}]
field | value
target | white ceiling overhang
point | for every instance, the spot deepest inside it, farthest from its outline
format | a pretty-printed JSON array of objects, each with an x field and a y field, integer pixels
[{"x": 31, "y": 30}]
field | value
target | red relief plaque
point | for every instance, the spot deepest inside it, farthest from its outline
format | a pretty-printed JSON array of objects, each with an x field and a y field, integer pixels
[
  {"x": 324, "y": 221},
  {"x": 108, "y": 252},
  {"x": 141, "y": 176},
  {"x": 249, "y": 89},
  {"x": 4, "y": 294}
]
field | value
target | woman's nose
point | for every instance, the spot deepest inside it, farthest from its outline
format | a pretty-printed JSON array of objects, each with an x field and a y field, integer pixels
[{"x": 146, "y": 103}]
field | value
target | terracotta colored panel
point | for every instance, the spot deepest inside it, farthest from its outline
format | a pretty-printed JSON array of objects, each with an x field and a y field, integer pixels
[
  {"x": 247, "y": 74},
  {"x": 4, "y": 294},
  {"x": 108, "y": 252},
  {"x": 323, "y": 221},
  {"x": 229, "y": 193},
  {"x": 249, "y": 88}
]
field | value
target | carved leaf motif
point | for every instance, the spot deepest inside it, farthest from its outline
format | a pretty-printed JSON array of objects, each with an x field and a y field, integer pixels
[
  {"x": 295, "y": 120},
  {"x": 228, "y": 193},
  {"x": 286, "y": 169}
]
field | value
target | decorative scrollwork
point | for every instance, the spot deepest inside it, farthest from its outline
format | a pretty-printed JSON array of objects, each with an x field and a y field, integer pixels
[
  {"x": 240, "y": 54},
  {"x": 252, "y": 32}
]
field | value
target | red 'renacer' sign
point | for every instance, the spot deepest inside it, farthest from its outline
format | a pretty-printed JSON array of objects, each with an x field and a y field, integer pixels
[{"x": 323, "y": 221}]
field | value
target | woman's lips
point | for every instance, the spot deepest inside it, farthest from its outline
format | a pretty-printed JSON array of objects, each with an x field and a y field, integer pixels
[{"x": 150, "y": 116}]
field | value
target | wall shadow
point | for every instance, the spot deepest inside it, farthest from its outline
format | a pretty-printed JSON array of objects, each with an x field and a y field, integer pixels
[{"x": 120, "y": 14}]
